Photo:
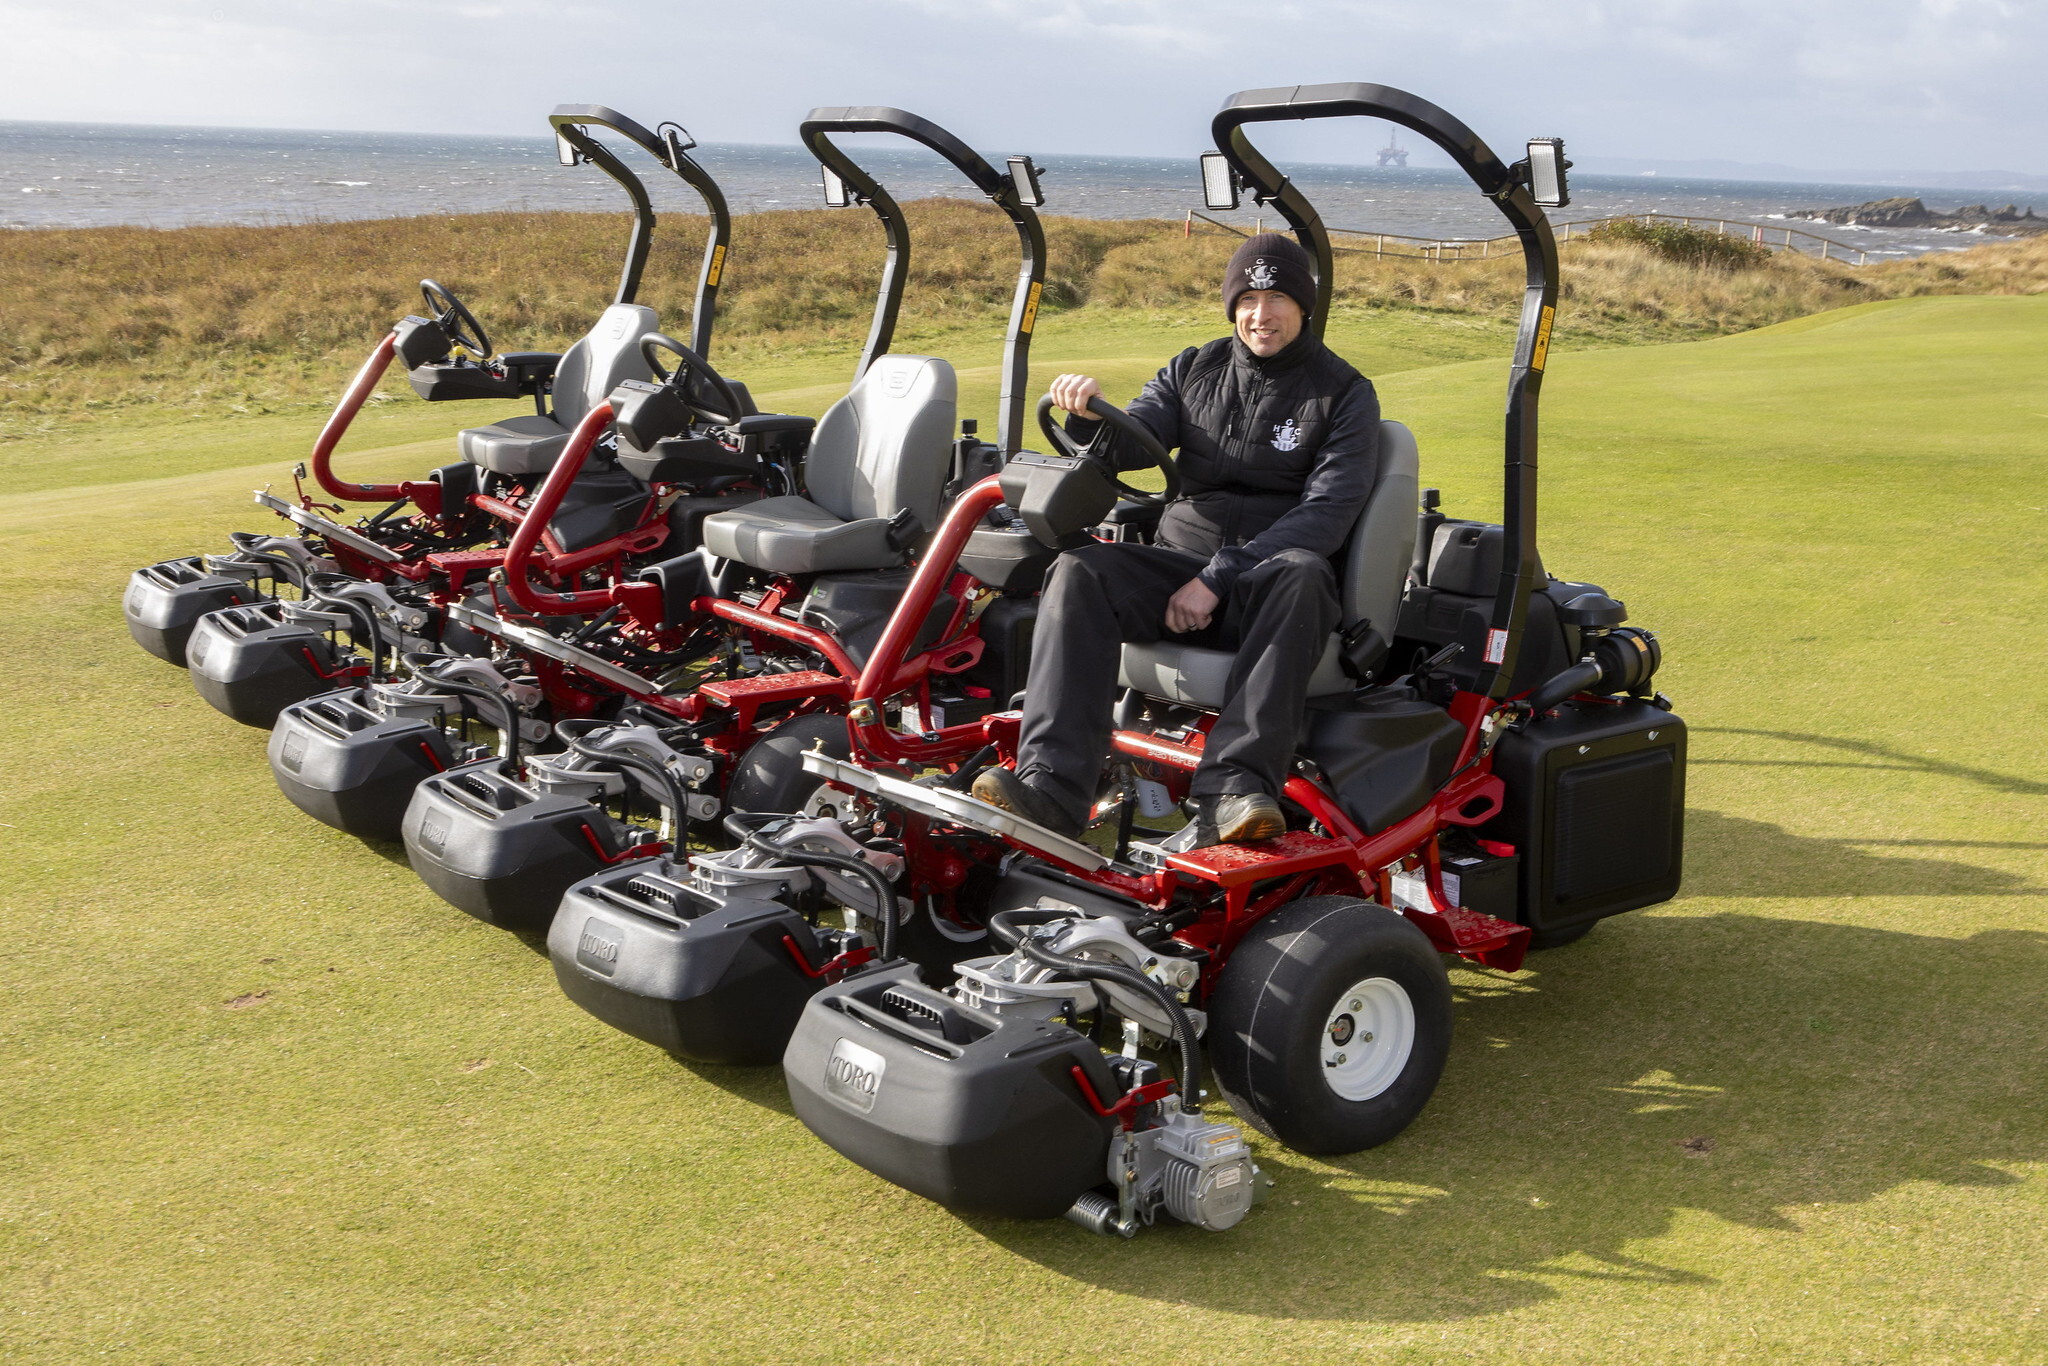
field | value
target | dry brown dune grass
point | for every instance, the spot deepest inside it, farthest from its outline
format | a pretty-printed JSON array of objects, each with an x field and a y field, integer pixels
[
  {"x": 1612, "y": 292},
  {"x": 247, "y": 318}
]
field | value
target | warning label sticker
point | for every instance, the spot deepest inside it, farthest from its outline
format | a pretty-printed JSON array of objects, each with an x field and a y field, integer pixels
[
  {"x": 1541, "y": 351},
  {"x": 1031, "y": 309},
  {"x": 1496, "y": 646}
]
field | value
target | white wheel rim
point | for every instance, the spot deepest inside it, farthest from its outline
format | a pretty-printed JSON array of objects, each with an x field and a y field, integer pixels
[{"x": 1367, "y": 1038}]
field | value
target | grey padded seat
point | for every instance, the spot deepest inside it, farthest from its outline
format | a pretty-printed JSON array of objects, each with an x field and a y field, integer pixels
[
  {"x": 1371, "y": 577},
  {"x": 885, "y": 447},
  {"x": 592, "y": 368}
]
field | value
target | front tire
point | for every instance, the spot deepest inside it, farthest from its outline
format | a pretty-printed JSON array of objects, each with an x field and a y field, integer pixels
[
  {"x": 1330, "y": 1025},
  {"x": 770, "y": 775}
]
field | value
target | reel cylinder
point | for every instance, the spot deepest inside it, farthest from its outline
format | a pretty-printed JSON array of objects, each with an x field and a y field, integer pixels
[
  {"x": 165, "y": 601},
  {"x": 252, "y": 662},
  {"x": 706, "y": 977}
]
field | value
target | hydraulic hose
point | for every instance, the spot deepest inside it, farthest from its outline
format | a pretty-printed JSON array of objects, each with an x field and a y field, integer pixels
[
  {"x": 885, "y": 895},
  {"x": 288, "y": 569},
  {"x": 362, "y": 615},
  {"x": 509, "y": 728},
  {"x": 659, "y": 781},
  {"x": 1585, "y": 674},
  {"x": 1007, "y": 926}
]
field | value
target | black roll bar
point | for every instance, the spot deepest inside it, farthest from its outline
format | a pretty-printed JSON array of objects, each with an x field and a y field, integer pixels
[
  {"x": 571, "y": 122},
  {"x": 1507, "y": 187},
  {"x": 896, "y": 266}
]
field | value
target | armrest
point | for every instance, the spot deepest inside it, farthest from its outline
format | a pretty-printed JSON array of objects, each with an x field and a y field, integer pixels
[
  {"x": 529, "y": 368},
  {"x": 762, "y": 424}
]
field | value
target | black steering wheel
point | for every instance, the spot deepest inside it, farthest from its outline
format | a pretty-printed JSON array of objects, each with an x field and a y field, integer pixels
[
  {"x": 454, "y": 318},
  {"x": 1121, "y": 427},
  {"x": 703, "y": 390}
]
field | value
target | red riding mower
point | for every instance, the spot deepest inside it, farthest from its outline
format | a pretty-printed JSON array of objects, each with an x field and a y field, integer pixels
[
  {"x": 350, "y": 758},
  {"x": 749, "y": 648},
  {"x": 1460, "y": 807},
  {"x": 461, "y": 515}
]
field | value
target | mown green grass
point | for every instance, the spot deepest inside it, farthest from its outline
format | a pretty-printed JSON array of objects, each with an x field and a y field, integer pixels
[{"x": 410, "y": 1147}]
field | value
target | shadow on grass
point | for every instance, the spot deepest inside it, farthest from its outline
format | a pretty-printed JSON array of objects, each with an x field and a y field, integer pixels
[
  {"x": 1734, "y": 856},
  {"x": 762, "y": 1086},
  {"x": 1869, "y": 755},
  {"x": 1747, "y": 1067}
]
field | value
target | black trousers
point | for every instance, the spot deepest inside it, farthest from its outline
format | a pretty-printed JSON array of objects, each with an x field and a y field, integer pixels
[{"x": 1278, "y": 618}]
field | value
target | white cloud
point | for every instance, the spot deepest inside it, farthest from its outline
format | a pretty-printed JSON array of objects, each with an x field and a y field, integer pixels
[{"x": 1928, "y": 83}]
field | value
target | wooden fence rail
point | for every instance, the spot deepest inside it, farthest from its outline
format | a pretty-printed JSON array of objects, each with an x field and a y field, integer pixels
[{"x": 1403, "y": 247}]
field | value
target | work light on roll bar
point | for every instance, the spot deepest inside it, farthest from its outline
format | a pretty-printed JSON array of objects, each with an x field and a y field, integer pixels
[
  {"x": 837, "y": 196},
  {"x": 1024, "y": 176},
  {"x": 1545, "y": 172},
  {"x": 1220, "y": 183}
]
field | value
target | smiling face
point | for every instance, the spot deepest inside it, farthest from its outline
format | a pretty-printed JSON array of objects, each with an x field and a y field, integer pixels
[{"x": 1267, "y": 320}]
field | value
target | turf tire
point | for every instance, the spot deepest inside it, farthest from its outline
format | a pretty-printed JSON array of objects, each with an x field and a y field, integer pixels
[
  {"x": 771, "y": 776},
  {"x": 1274, "y": 997}
]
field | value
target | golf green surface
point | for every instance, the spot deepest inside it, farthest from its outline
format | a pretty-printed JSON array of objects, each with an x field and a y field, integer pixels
[{"x": 264, "y": 1099}]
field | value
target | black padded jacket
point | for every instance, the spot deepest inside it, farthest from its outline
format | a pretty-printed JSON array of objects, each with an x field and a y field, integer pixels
[{"x": 1276, "y": 453}]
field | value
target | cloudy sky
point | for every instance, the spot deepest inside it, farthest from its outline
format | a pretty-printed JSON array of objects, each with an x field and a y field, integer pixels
[{"x": 1880, "y": 84}]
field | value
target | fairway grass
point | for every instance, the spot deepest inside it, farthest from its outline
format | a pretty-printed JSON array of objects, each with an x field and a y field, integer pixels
[{"x": 263, "y": 1098}]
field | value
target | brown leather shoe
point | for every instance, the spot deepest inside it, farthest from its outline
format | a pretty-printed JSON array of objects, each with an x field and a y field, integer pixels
[
  {"x": 1002, "y": 788},
  {"x": 1239, "y": 818}
]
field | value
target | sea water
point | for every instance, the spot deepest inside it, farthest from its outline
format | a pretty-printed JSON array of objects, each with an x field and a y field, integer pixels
[{"x": 96, "y": 175}]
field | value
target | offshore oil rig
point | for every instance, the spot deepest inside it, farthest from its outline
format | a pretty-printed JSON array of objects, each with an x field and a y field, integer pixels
[{"x": 1393, "y": 154}]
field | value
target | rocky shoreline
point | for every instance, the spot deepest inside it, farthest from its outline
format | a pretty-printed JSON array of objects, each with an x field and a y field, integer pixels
[{"x": 2011, "y": 220}]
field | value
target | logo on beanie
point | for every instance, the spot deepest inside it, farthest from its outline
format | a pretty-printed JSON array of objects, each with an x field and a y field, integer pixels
[
  {"x": 1286, "y": 436},
  {"x": 1260, "y": 275}
]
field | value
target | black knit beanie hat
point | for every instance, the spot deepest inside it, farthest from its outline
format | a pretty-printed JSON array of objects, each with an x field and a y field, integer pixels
[{"x": 1269, "y": 260}]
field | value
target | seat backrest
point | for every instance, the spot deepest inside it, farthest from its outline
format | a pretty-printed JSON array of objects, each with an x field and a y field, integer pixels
[
  {"x": 887, "y": 445},
  {"x": 1375, "y": 566},
  {"x": 607, "y": 354}
]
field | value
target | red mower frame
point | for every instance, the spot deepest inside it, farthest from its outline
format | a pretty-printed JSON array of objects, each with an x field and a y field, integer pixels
[
  {"x": 359, "y": 555},
  {"x": 1245, "y": 882}
]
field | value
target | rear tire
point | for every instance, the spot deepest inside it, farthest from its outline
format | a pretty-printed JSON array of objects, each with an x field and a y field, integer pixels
[
  {"x": 770, "y": 776},
  {"x": 1330, "y": 1025}
]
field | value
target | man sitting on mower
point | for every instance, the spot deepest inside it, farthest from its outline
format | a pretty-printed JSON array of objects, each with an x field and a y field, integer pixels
[{"x": 1279, "y": 448}]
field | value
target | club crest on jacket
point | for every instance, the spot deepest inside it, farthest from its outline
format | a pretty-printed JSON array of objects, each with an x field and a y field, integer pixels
[{"x": 1286, "y": 436}]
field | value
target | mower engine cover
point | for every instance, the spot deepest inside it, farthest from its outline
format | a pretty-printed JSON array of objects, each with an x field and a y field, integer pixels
[
  {"x": 1595, "y": 809},
  {"x": 711, "y": 976},
  {"x": 975, "y": 1110}
]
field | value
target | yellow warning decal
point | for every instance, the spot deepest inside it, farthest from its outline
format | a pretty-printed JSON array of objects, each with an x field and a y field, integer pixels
[
  {"x": 1031, "y": 309},
  {"x": 718, "y": 268},
  {"x": 1542, "y": 348}
]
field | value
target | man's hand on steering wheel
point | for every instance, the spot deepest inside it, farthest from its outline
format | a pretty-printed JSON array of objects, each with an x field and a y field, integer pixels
[
  {"x": 1116, "y": 426},
  {"x": 1072, "y": 392}
]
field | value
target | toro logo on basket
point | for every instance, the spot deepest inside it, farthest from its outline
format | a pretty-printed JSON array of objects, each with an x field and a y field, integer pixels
[
  {"x": 854, "y": 1074},
  {"x": 594, "y": 951},
  {"x": 294, "y": 751}
]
